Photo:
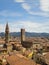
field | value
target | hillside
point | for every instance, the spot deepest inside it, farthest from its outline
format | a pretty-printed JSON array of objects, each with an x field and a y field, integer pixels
[{"x": 27, "y": 34}]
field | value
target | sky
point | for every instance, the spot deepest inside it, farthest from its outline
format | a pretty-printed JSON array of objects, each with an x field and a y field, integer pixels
[{"x": 33, "y": 15}]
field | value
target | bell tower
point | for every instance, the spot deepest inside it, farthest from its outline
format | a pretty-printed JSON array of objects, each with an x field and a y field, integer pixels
[{"x": 7, "y": 34}]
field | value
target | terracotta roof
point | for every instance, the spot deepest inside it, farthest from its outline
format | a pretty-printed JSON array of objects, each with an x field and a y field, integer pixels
[
  {"x": 46, "y": 56},
  {"x": 27, "y": 52},
  {"x": 2, "y": 49},
  {"x": 46, "y": 44},
  {"x": 2, "y": 42},
  {"x": 38, "y": 64},
  {"x": 15, "y": 60}
]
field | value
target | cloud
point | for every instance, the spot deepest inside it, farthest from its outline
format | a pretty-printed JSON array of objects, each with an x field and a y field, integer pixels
[
  {"x": 19, "y": 1},
  {"x": 30, "y": 6},
  {"x": 2, "y": 27},
  {"x": 44, "y": 5},
  {"x": 39, "y": 13},
  {"x": 26, "y": 6},
  {"x": 28, "y": 25},
  {"x": 6, "y": 13}
]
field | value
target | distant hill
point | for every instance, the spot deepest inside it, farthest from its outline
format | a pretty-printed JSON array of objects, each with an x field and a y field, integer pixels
[{"x": 28, "y": 34}]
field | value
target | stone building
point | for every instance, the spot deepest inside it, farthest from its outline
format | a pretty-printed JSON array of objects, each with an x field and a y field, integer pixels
[
  {"x": 22, "y": 35},
  {"x": 25, "y": 43},
  {"x": 7, "y": 43}
]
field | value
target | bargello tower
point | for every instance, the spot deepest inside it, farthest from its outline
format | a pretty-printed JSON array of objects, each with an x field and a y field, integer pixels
[
  {"x": 7, "y": 34},
  {"x": 22, "y": 35}
]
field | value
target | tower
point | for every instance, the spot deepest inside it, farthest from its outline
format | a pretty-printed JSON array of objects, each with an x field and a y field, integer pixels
[
  {"x": 25, "y": 43},
  {"x": 7, "y": 34},
  {"x": 22, "y": 35}
]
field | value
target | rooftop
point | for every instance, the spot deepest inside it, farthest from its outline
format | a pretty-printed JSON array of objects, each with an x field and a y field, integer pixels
[{"x": 16, "y": 60}]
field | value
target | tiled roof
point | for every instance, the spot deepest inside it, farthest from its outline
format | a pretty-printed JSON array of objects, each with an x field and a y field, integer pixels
[
  {"x": 15, "y": 60},
  {"x": 46, "y": 56}
]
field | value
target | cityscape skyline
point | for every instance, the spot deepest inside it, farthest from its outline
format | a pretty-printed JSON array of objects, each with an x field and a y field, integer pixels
[{"x": 33, "y": 15}]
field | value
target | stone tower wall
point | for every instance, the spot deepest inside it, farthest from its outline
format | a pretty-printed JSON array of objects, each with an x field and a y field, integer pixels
[
  {"x": 22, "y": 34},
  {"x": 7, "y": 34}
]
